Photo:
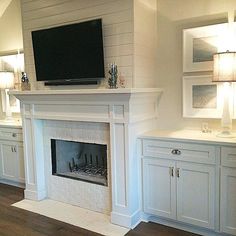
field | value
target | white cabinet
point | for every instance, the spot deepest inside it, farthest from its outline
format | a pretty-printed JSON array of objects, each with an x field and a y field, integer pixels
[
  {"x": 11, "y": 156},
  {"x": 228, "y": 191},
  {"x": 195, "y": 194},
  {"x": 159, "y": 187},
  {"x": 8, "y": 161},
  {"x": 179, "y": 181},
  {"x": 201, "y": 191}
]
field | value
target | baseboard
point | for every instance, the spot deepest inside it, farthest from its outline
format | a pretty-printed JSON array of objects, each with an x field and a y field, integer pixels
[
  {"x": 181, "y": 226},
  {"x": 33, "y": 195},
  {"x": 125, "y": 220},
  {"x": 13, "y": 183}
]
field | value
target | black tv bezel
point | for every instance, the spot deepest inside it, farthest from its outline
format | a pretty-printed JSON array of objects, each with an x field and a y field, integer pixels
[{"x": 72, "y": 81}]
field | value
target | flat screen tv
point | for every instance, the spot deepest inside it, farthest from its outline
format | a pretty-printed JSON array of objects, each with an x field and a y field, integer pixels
[{"x": 69, "y": 54}]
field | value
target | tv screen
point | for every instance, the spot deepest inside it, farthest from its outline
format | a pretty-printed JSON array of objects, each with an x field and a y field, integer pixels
[{"x": 70, "y": 52}]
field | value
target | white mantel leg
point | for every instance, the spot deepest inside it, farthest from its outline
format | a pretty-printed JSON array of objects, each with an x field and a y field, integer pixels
[
  {"x": 125, "y": 171},
  {"x": 34, "y": 159}
]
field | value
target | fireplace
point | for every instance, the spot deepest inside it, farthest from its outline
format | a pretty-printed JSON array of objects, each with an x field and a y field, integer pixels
[
  {"x": 81, "y": 161},
  {"x": 112, "y": 117}
]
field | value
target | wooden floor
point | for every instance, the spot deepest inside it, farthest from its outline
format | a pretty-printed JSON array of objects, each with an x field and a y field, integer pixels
[{"x": 18, "y": 222}]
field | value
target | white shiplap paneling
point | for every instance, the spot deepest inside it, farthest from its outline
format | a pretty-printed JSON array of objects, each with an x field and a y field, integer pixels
[
  {"x": 128, "y": 30},
  {"x": 117, "y": 16}
]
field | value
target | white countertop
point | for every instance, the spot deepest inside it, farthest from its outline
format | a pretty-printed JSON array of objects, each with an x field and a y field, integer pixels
[
  {"x": 15, "y": 124},
  {"x": 87, "y": 91},
  {"x": 189, "y": 136}
]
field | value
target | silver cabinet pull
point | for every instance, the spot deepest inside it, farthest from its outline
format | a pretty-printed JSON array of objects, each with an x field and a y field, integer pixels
[
  {"x": 14, "y": 149},
  {"x": 14, "y": 135},
  {"x": 171, "y": 171},
  {"x": 11, "y": 149},
  {"x": 177, "y": 172},
  {"x": 176, "y": 152}
]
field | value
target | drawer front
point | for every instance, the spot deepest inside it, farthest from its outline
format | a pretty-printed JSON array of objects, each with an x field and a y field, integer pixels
[
  {"x": 228, "y": 156},
  {"x": 180, "y": 151},
  {"x": 13, "y": 135}
]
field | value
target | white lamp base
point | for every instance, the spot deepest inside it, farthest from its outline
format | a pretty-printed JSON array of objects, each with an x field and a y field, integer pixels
[
  {"x": 226, "y": 134},
  {"x": 226, "y": 121}
]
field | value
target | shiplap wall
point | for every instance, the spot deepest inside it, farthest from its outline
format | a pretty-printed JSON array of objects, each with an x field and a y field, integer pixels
[
  {"x": 145, "y": 36},
  {"x": 118, "y": 30}
]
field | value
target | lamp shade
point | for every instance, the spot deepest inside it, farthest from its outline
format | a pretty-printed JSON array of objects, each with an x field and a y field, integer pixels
[
  {"x": 224, "y": 67},
  {"x": 6, "y": 80}
]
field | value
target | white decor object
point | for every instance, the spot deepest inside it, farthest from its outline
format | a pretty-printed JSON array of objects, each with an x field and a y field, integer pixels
[
  {"x": 128, "y": 113},
  {"x": 199, "y": 46},
  {"x": 6, "y": 83},
  {"x": 201, "y": 97},
  {"x": 225, "y": 71}
]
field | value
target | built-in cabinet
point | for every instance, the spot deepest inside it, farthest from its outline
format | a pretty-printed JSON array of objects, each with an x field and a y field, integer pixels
[
  {"x": 228, "y": 190},
  {"x": 11, "y": 156},
  {"x": 190, "y": 182},
  {"x": 159, "y": 187}
]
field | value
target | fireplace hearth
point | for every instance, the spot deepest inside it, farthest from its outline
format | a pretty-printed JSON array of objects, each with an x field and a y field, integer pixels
[{"x": 81, "y": 161}]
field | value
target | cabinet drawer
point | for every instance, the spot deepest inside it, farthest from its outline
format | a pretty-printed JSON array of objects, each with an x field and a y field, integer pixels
[
  {"x": 11, "y": 135},
  {"x": 228, "y": 156},
  {"x": 179, "y": 151}
]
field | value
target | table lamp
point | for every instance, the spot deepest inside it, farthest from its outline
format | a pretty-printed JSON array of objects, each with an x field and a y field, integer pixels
[
  {"x": 225, "y": 71},
  {"x": 6, "y": 83}
]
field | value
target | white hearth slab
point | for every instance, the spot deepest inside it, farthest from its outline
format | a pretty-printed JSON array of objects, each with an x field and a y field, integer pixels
[{"x": 73, "y": 215}]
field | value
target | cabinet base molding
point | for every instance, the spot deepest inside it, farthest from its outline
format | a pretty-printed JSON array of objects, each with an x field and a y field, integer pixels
[
  {"x": 126, "y": 220},
  {"x": 181, "y": 226},
  {"x": 13, "y": 183}
]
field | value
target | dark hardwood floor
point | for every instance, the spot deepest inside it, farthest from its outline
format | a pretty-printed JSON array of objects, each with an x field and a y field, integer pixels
[{"x": 18, "y": 222}]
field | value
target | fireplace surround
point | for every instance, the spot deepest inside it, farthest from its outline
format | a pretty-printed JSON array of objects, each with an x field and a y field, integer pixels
[{"x": 126, "y": 112}]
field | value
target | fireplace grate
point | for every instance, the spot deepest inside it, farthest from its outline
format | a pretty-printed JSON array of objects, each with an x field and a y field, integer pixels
[{"x": 91, "y": 173}]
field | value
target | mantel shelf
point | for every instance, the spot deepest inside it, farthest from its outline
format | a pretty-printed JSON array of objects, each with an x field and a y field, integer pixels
[{"x": 87, "y": 91}]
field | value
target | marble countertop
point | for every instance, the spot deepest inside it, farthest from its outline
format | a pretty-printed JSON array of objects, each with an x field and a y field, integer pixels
[
  {"x": 15, "y": 124},
  {"x": 195, "y": 136}
]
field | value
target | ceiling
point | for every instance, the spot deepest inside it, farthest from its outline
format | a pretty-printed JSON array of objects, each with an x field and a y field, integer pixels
[{"x": 3, "y": 6}]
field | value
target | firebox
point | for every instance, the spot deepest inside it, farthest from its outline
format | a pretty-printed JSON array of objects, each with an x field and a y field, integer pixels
[{"x": 80, "y": 161}]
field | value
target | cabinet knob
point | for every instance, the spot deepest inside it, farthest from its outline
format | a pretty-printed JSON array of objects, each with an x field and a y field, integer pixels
[
  {"x": 176, "y": 152},
  {"x": 14, "y": 135}
]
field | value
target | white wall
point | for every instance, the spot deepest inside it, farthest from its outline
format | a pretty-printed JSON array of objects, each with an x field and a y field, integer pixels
[
  {"x": 11, "y": 28},
  {"x": 11, "y": 38},
  {"x": 145, "y": 32},
  {"x": 172, "y": 18}
]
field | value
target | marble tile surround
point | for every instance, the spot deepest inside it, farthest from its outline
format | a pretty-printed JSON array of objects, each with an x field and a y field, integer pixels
[{"x": 75, "y": 192}]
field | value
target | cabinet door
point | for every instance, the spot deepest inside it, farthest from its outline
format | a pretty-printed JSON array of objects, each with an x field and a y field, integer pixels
[
  {"x": 8, "y": 162},
  {"x": 195, "y": 194},
  {"x": 228, "y": 200},
  {"x": 20, "y": 164},
  {"x": 159, "y": 187}
]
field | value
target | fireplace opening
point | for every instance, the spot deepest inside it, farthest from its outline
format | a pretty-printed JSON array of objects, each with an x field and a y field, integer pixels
[{"x": 80, "y": 161}]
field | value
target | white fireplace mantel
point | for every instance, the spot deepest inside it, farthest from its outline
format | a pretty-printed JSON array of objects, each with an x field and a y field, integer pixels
[{"x": 129, "y": 112}]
